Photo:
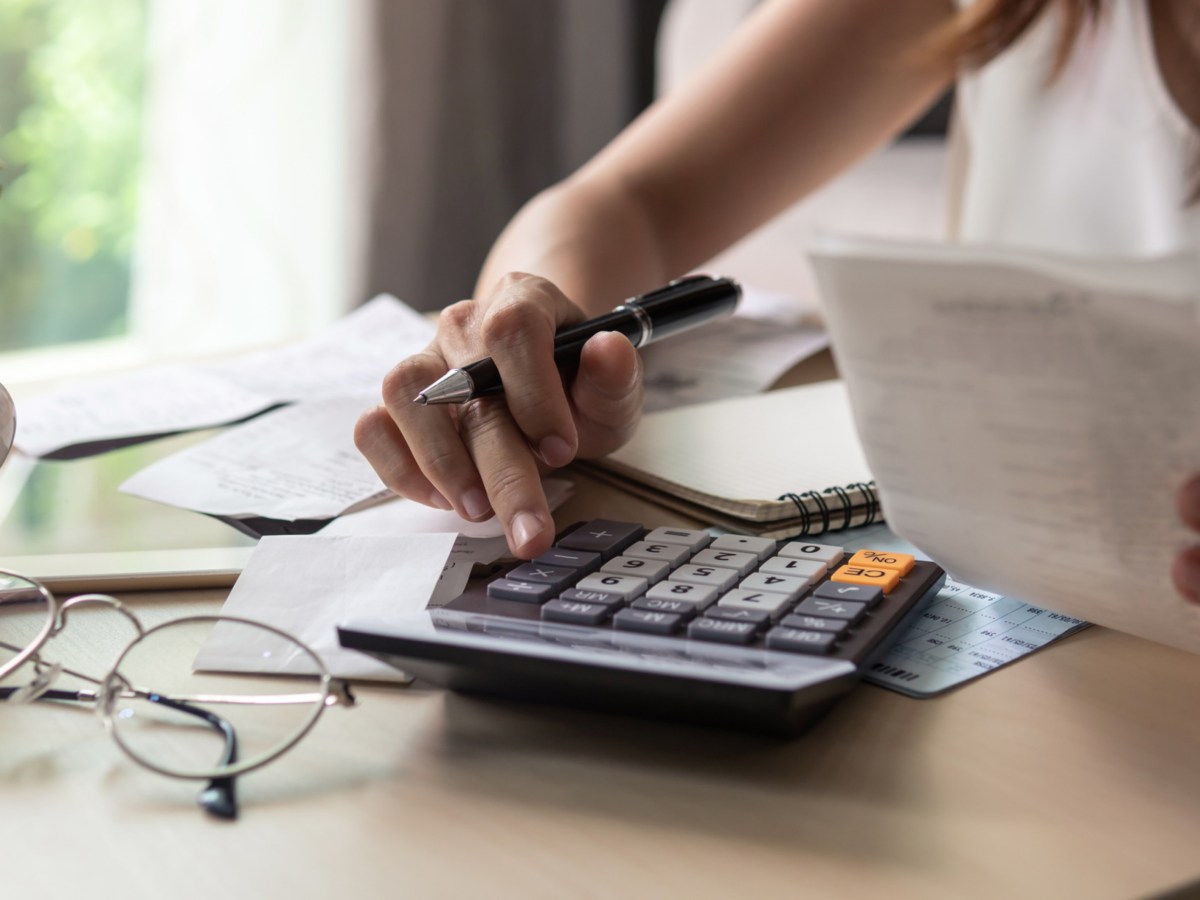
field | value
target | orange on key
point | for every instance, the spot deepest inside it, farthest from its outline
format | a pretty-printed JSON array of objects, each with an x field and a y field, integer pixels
[
  {"x": 872, "y": 577},
  {"x": 883, "y": 559}
]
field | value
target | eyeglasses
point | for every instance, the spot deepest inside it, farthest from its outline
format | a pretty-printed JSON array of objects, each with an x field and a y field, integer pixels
[{"x": 165, "y": 713}]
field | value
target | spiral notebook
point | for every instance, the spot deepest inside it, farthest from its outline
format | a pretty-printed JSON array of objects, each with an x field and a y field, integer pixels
[{"x": 780, "y": 464}]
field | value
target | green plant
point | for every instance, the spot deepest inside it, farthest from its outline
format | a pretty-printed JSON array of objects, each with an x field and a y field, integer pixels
[{"x": 71, "y": 85}]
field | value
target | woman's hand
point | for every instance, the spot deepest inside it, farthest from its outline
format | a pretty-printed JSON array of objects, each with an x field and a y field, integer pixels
[
  {"x": 487, "y": 455},
  {"x": 1186, "y": 570}
]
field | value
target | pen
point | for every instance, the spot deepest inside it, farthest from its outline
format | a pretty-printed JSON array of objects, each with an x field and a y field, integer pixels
[{"x": 680, "y": 305}]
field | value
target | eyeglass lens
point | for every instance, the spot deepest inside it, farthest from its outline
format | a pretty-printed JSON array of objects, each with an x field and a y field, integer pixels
[
  {"x": 25, "y": 618},
  {"x": 189, "y": 723}
]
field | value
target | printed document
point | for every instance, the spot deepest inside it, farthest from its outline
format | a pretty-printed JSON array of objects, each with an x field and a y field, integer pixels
[{"x": 1029, "y": 419}]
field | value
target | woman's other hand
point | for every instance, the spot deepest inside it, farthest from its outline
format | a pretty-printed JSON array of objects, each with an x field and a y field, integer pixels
[{"x": 1186, "y": 570}]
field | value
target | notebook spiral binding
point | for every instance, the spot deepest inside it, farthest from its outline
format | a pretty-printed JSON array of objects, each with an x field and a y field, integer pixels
[{"x": 843, "y": 504}]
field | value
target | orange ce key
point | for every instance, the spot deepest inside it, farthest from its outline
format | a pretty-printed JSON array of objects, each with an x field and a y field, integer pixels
[
  {"x": 880, "y": 559},
  {"x": 870, "y": 576}
]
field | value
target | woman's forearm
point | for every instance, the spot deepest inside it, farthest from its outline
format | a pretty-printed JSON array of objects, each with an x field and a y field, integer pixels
[{"x": 595, "y": 243}]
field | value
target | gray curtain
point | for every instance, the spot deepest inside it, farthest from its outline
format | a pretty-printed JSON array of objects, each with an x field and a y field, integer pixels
[{"x": 479, "y": 105}]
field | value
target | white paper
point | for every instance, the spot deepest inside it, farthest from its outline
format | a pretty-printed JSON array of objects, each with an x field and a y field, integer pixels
[
  {"x": 734, "y": 357},
  {"x": 354, "y": 354},
  {"x": 298, "y": 462},
  {"x": 295, "y": 582},
  {"x": 400, "y": 516},
  {"x": 305, "y": 585},
  {"x": 1029, "y": 419}
]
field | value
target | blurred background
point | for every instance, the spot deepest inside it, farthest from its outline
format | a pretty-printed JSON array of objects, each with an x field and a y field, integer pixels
[{"x": 189, "y": 177}]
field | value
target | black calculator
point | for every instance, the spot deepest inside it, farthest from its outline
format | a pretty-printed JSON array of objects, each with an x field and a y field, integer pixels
[{"x": 672, "y": 623}]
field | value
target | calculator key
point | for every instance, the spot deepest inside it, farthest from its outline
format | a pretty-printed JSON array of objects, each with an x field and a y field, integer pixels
[
  {"x": 824, "y": 553},
  {"x": 626, "y": 586},
  {"x": 831, "y": 609},
  {"x": 816, "y": 623},
  {"x": 790, "y": 585},
  {"x": 602, "y": 598},
  {"x": 772, "y": 604},
  {"x": 795, "y": 640},
  {"x": 602, "y": 536},
  {"x": 671, "y": 554},
  {"x": 652, "y": 570},
  {"x": 760, "y": 547},
  {"x": 680, "y": 607},
  {"x": 808, "y": 569},
  {"x": 832, "y": 590},
  {"x": 648, "y": 621},
  {"x": 575, "y": 613},
  {"x": 757, "y": 617},
  {"x": 699, "y": 595},
  {"x": 901, "y": 562},
  {"x": 525, "y": 591},
  {"x": 579, "y": 560},
  {"x": 885, "y": 579},
  {"x": 557, "y": 577},
  {"x": 742, "y": 563},
  {"x": 722, "y": 631},
  {"x": 694, "y": 540},
  {"x": 712, "y": 576}
]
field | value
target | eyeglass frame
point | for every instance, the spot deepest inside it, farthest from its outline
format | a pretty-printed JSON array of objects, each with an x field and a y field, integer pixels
[{"x": 218, "y": 797}]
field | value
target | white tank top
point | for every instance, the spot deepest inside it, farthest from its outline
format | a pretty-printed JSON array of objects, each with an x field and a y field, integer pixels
[{"x": 1094, "y": 161}]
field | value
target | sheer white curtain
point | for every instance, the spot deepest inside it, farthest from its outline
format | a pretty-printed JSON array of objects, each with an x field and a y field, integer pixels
[
  {"x": 303, "y": 155},
  {"x": 256, "y": 171}
]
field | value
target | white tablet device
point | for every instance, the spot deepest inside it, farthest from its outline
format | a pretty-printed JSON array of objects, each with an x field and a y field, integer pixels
[{"x": 66, "y": 523}]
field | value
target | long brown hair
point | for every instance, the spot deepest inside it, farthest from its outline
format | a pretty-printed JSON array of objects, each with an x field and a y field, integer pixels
[{"x": 985, "y": 29}]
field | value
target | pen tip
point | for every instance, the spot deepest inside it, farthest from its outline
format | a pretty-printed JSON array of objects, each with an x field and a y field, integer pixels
[{"x": 421, "y": 399}]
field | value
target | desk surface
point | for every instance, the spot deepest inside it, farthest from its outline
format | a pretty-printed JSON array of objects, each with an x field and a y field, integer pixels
[{"x": 1072, "y": 773}]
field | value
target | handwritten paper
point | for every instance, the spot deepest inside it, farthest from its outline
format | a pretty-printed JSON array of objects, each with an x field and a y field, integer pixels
[
  {"x": 298, "y": 462},
  {"x": 1029, "y": 419}
]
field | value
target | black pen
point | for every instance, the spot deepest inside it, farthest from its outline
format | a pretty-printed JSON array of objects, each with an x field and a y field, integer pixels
[{"x": 680, "y": 305}]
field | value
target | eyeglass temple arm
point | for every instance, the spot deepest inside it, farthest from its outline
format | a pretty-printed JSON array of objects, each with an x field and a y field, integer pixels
[{"x": 219, "y": 797}]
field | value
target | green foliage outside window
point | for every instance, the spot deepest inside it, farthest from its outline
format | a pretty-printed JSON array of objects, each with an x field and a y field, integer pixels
[{"x": 71, "y": 85}]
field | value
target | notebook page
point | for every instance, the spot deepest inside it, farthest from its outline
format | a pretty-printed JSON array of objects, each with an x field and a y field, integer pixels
[
  {"x": 1029, "y": 427},
  {"x": 749, "y": 450}
]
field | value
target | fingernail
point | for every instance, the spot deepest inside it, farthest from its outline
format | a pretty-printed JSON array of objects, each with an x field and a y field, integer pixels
[
  {"x": 555, "y": 451},
  {"x": 439, "y": 500},
  {"x": 475, "y": 502},
  {"x": 525, "y": 527}
]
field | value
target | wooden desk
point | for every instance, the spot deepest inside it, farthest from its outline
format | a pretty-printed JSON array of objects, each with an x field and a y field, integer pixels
[{"x": 1073, "y": 773}]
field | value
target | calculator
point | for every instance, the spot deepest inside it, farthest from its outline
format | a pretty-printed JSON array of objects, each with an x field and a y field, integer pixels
[{"x": 673, "y": 623}]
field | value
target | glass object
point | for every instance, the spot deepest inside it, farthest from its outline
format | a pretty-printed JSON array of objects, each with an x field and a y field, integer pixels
[{"x": 166, "y": 714}]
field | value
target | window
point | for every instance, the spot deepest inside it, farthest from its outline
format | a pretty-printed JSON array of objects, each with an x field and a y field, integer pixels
[
  {"x": 71, "y": 85},
  {"x": 182, "y": 178}
]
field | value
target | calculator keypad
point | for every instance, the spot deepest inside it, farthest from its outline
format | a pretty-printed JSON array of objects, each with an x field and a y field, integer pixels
[{"x": 794, "y": 597}]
